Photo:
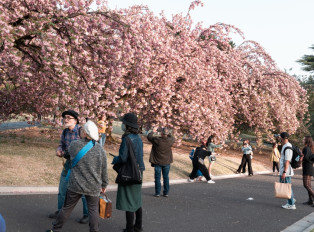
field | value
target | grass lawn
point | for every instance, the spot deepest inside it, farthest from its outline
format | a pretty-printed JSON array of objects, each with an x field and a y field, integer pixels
[{"x": 27, "y": 158}]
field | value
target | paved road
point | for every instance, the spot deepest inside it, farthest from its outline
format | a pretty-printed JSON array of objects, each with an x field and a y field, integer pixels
[{"x": 190, "y": 207}]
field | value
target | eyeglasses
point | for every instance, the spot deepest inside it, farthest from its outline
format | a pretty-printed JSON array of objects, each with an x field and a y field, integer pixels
[{"x": 68, "y": 118}]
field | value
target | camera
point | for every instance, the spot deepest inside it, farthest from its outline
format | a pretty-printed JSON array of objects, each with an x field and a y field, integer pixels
[{"x": 66, "y": 154}]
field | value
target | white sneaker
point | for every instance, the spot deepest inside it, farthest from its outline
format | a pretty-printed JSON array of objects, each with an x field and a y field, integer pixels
[
  {"x": 211, "y": 182},
  {"x": 286, "y": 205},
  {"x": 289, "y": 206},
  {"x": 190, "y": 180}
]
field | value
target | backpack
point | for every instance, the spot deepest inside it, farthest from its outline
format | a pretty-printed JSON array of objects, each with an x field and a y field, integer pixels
[{"x": 296, "y": 156}]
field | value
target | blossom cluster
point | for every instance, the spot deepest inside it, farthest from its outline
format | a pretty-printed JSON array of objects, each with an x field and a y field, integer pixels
[{"x": 62, "y": 54}]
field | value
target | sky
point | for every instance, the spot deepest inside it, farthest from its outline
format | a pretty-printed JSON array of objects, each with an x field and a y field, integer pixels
[{"x": 284, "y": 28}]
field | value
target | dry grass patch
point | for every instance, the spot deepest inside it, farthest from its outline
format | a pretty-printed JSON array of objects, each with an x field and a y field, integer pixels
[{"x": 27, "y": 158}]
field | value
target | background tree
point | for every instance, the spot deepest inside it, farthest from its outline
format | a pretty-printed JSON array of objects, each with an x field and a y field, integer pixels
[
  {"x": 60, "y": 54},
  {"x": 307, "y": 61}
]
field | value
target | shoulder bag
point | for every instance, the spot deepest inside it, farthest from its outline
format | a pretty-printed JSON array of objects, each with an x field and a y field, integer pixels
[{"x": 129, "y": 172}]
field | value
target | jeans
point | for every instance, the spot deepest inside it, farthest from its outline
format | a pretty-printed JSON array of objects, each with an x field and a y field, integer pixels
[
  {"x": 102, "y": 139},
  {"x": 63, "y": 184},
  {"x": 288, "y": 180},
  {"x": 165, "y": 174},
  {"x": 70, "y": 202}
]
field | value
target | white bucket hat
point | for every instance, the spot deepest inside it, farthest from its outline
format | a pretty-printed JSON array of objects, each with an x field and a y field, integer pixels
[{"x": 91, "y": 130}]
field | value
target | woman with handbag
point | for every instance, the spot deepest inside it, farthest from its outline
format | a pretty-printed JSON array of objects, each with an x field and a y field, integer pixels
[
  {"x": 307, "y": 168},
  {"x": 211, "y": 147},
  {"x": 129, "y": 196}
]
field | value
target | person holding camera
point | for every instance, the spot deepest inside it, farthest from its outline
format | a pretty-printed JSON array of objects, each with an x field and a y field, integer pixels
[
  {"x": 69, "y": 134},
  {"x": 246, "y": 158},
  {"x": 160, "y": 158}
]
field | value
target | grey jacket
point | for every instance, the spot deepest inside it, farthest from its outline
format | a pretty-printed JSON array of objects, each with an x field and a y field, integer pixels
[{"x": 90, "y": 173}]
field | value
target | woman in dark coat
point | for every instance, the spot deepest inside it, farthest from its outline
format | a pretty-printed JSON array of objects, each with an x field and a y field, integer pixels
[
  {"x": 307, "y": 168},
  {"x": 129, "y": 197}
]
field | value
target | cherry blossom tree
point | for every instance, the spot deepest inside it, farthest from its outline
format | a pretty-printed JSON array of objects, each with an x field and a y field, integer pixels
[{"x": 60, "y": 54}]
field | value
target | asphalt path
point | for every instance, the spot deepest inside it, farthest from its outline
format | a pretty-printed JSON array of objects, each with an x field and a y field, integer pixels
[
  {"x": 190, "y": 207},
  {"x": 15, "y": 125}
]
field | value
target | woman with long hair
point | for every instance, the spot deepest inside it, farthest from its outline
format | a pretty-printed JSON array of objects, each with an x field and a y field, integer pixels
[
  {"x": 211, "y": 147},
  {"x": 274, "y": 158},
  {"x": 307, "y": 168},
  {"x": 129, "y": 197}
]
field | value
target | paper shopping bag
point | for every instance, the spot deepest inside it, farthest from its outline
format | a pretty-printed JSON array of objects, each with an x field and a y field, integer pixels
[
  {"x": 105, "y": 206},
  {"x": 282, "y": 190}
]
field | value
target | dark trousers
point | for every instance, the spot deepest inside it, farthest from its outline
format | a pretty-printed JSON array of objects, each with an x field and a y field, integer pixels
[
  {"x": 246, "y": 159},
  {"x": 70, "y": 202},
  {"x": 198, "y": 166},
  {"x": 275, "y": 165},
  {"x": 130, "y": 220},
  {"x": 308, "y": 187}
]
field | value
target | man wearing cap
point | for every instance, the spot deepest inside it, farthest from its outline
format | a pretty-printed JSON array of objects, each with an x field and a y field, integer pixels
[
  {"x": 88, "y": 177},
  {"x": 69, "y": 134},
  {"x": 285, "y": 170},
  {"x": 161, "y": 157}
]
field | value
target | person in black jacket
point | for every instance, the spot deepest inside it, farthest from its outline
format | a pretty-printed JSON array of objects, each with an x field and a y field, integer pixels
[
  {"x": 198, "y": 164},
  {"x": 307, "y": 168}
]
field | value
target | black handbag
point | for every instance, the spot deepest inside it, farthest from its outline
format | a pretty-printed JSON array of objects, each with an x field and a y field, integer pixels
[{"x": 129, "y": 172}]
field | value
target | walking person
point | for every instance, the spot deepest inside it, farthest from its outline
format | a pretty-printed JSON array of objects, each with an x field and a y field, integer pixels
[
  {"x": 285, "y": 169},
  {"x": 198, "y": 164},
  {"x": 199, "y": 174},
  {"x": 307, "y": 168},
  {"x": 211, "y": 147},
  {"x": 88, "y": 177},
  {"x": 274, "y": 158},
  {"x": 160, "y": 158},
  {"x": 129, "y": 197},
  {"x": 247, "y": 157},
  {"x": 69, "y": 134}
]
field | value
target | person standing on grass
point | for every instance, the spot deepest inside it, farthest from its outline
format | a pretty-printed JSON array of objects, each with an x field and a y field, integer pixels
[
  {"x": 88, "y": 177},
  {"x": 307, "y": 168},
  {"x": 274, "y": 157},
  {"x": 160, "y": 158},
  {"x": 69, "y": 134},
  {"x": 247, "y": 157},
  {"x": 285, "y": 169},
  {"x": 198, "y": 164},
  {"x": 211, "y": 147},
  {"x": 102, "y": 129}
]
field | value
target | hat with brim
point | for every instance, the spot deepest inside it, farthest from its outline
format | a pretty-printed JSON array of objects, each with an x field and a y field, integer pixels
[
  {"x": 71, "y": 113},
  {"x": 91, "y": 130},
  {"x": 284, "y": 135},
  {"x": 130, "y": 119}
]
